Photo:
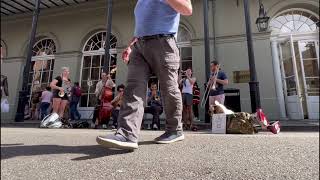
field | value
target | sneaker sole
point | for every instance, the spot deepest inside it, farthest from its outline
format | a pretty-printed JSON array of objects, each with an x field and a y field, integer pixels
[
  {"x": 180, "y": 138},
  {"x": 109, "y": 143}
]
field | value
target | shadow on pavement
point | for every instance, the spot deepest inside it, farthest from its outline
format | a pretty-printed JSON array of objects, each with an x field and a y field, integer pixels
[
  {"x": 146, "y": 143},
  {"x": 92, "y": 152},
  {"x": 16, "y": 144}
]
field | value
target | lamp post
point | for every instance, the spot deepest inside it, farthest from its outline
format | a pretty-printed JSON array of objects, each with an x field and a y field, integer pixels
[
  {"x": 253, "y": 84},
  {"x": 263, "y": 20},
  {"x": 206, "y": 50},
  {"x": 108, "y": 34},
  {"x": 24, "y": 89}
]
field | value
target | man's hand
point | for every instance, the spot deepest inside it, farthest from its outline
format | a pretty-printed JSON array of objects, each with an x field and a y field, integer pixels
[
  {"x": 127, "y": 51},
  {"x": 126, "y": 54},
  {"x": 183, "y": 7}
]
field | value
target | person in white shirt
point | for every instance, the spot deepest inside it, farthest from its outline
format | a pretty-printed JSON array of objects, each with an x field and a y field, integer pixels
[{"x": 187, "y": 97}]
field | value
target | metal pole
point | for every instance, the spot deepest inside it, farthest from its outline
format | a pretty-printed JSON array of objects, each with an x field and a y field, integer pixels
[
  {"x": 253, "y": 84},
  {"x": 108, "y": 34},
  {"x": 24, "y": 89},
  {"x": 206, "y": 49}
]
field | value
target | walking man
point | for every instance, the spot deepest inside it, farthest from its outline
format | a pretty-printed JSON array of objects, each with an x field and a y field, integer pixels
[{"x": 153, "y": 49}]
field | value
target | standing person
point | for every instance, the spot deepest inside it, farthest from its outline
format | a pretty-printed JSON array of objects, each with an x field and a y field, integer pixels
[
  {"x": 4, "y": 94},
  {"x": 116, "y": 103},
  {"x": 217, "y": 93},
  {"x": 153, "y": 50},
  {"x": 35, "y": 102},
  {"x": 106, "y": 106},
  {"x": 98, "y": 92},
  {"x": 187, "y": 98},
  {"x": 196, "y": 101},
  {"x": 154, "y": 107},
  {"x": 61, "y": 84},
  {"x": 75, "y": 98},
  {"x": 46, "y": 99}
]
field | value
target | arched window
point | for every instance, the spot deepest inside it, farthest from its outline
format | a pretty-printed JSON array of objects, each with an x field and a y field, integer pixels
[
  {"x": 293, "y": 21},
  {"x": 42, "y": 62},
  {"x": 185, "y": 48},
  {"x": 40, "y": 72},
  {"x": 92, "y": 65}
]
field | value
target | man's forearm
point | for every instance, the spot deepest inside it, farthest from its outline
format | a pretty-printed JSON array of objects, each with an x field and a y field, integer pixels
[{"x": 183, "y": 7}]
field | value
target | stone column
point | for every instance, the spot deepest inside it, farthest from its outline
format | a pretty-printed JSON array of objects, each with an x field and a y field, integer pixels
[{"x": 278, "y": 80}]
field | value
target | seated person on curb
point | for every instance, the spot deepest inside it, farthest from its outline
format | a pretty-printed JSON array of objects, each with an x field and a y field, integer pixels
[
  {"x": 154, "y": 106},
  {"x": 116, "y": 103}
]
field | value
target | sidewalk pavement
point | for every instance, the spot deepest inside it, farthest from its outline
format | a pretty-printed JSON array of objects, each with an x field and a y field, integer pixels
[{"x": 286, "y": 125}]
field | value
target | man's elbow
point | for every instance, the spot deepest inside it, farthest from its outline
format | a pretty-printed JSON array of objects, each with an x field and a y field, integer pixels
[{"x": 187, "y": 12}]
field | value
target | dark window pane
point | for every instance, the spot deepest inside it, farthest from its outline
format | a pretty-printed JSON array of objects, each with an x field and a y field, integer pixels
[
  {"x": 95, "y": 74},
  {"x": 93, "y": 87},
  {"x": 45, "y": 77},
  {"x": 96, "y": 61},
  {"x": 186, "y": 65},
  {"x": 84, "y": 100},
  {"x": 86, "y": 61},
  {"x": 92, "y": 100},
  {"x": 85, "y": 74}
]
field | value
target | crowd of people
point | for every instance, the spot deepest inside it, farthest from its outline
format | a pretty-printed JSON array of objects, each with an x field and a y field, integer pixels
[{"x": 62, "y": 98}]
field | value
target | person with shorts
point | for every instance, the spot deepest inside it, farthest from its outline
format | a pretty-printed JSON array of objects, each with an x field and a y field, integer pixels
[
  {"x": 187, "y": 98},
  {"x": 61, "y": 84}
]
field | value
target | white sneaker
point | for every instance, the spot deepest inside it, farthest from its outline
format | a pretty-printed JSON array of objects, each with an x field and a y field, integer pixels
[
  {"x": 196, "y": 119},
  {"x": 155, "y": 127}
]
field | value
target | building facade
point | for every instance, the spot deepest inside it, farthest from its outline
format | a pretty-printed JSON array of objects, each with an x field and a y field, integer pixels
[{"x": 287, "y": 55}]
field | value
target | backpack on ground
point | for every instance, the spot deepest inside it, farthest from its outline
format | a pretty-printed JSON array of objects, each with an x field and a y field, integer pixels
[{"x": 240, "y": 123}]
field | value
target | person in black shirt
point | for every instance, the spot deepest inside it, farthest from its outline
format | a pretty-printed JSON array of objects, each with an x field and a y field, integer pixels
[
  {"x": 217, "y": 94},
  {"x": 61, "y": 84}
]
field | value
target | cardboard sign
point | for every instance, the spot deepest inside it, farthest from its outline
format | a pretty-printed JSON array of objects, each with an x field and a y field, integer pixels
[{"x": 219, "y": 123}]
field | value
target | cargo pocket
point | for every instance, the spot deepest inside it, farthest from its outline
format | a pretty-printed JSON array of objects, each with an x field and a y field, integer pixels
[{"x": 170, "y": 53}]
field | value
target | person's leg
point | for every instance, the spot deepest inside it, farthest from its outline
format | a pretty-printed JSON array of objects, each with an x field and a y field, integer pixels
[
  {"x": 76, "y": 111},
  {"x": 62, "y": 108},
  {"x": 165, "y": 63},
  {"x": 220, "y": 98},
  {"x": 195, "y": 110},
  {"x": 211, "y": 100},
  {"x": 56, "y": 105},
  {"x": 46, "y": 107},
  {"x": 156, "y": 117},
  {"x": 42, "y": 110},
  {"x": 132, "y": 109},
  {"x": 189, "y": 109},
  {"x": 190, "y": 118},
  {"x": 96, "y": 112},
  {"x": 115, "y": 114},
  {"x": 72, "y": 110}
]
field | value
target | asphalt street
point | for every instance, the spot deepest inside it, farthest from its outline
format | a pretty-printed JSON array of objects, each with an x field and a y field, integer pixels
[{"x": 32, "y": 153}]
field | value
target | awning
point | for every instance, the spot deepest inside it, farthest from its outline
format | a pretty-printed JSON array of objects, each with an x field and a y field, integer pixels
[{"x": 11, "y": 7}]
